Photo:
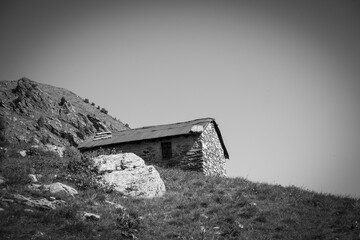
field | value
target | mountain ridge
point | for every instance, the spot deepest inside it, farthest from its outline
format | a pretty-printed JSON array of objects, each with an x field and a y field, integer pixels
[{"x": 40, "y": 113}]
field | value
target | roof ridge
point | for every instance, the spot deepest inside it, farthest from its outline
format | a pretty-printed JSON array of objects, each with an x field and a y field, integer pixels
[{"x": 151, "y": 126}]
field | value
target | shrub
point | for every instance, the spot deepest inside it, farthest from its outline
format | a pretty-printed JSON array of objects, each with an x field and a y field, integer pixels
[
  {"x": 45, "y": 162},
  {"x": 92, "y": 104},
  {"x": 15, "y": 170},
  {"x": 128, "y": 222},
  {"x": 83, "y": 173},
  {"x": 86, "y": 100},
  {"x": 103, "y": 110},
  {"x": 72, "y": 154},
  {"x": 62, "y": 101},
  {"x": 3, "y": 140}
]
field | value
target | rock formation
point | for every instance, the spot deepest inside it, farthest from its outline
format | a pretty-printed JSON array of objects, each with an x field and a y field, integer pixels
[
  {"x": 55, "y": 188},
  {"x": 42, "y": 114},
  {"x": 129, "y": 175}
]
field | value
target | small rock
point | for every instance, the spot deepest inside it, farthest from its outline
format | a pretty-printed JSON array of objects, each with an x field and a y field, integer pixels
[
  {"x": 22, "y": 153},
  {"x": 2, "y": 180},
  {"x": 1, "y": 209},
  {"x": 91, "y": 216},
  {"x": 33, "y": 178},
  {"x": 28, "y": 210},
  {"x": 116, "y": 205},
  {"x": 39, "y": 234}
]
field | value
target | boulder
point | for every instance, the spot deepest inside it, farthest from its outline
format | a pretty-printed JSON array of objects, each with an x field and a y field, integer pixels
[
  {"x": 22, "y": 153},
  {"x": 60, "y": 188},
  {"x": 129, "y": 175},
  {"x": 54, "y": 188},
  {"x": 91, "y": 216},
  {"x": 33, "y": 178}
]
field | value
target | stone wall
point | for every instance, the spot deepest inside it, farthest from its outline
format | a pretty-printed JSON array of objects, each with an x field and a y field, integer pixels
[
  {"x": 212, "y": 152},
  {"x": 150, "y": 150},
  {"x": 199, "y": 152}
]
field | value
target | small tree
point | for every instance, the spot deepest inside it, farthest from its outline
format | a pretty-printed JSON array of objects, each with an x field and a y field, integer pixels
[
  {"x": 98, "y": 107},
  {"x": 62, "y": 101},
  {"x": 86, "y": 100},
  {"x": 93, "y": 104}
]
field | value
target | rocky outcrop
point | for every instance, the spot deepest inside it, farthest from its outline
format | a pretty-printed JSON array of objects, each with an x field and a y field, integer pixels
[
  {"x": 42, "y": 114},
  {"x": 55, "y": 188},
  {"x": 42, "y": 203},
  {"x": 99, "y": 126},
  {"x": 129, "y": 175}
]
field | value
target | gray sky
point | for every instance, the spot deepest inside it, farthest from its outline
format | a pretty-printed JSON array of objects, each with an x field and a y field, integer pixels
[{"x": 280, "y": 77}]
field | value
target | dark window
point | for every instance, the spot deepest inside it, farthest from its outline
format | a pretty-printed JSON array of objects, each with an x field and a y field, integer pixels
[{"x": 166, "y": 150}]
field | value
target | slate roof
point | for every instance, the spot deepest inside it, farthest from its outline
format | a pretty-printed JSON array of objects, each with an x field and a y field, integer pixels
[{"x": 154, "y": 132}]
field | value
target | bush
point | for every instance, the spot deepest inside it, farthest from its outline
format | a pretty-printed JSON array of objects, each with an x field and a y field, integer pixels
[
  {"x": 15, "y": 170},
  {"x": 103, "y": 110},
  {"x": 45, "y": 162},
  {"x": 86, "y": 100},
  {"x": 128, "y": 222},
  {"x": 82, "y": 172},
  {"x": 92, "y": 104},
  {"x": 62, "y": 101},
  {"x": 72, "y": 154},
  {"x": 3, "y": 140}
]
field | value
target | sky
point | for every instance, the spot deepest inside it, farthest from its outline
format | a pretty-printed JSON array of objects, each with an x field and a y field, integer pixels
[{"x": 281, "y": 78}]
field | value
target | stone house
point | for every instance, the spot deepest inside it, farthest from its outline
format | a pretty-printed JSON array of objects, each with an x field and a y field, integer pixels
[{"x": 192, "y": 145}]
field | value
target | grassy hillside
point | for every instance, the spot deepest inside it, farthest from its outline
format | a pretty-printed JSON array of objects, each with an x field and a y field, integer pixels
[{"x": 194, "y": 207}]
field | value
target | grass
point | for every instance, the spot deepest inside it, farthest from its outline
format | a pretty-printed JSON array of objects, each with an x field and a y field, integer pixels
[{"x": 194, "y": 207}]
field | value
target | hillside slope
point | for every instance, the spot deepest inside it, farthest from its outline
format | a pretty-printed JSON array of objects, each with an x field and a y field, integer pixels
[
  {"x": 194, "y": 207},
  {"x": 35, "y": 112}
]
